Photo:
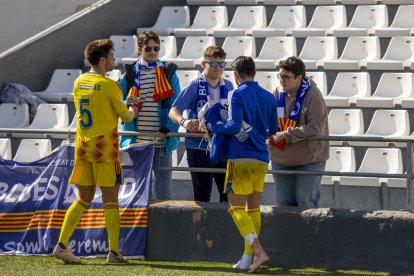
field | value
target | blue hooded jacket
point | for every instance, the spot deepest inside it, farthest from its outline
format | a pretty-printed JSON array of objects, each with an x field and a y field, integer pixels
[{"x": 170, "y": 143}]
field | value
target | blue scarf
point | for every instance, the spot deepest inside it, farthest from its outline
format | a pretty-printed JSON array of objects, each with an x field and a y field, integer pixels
[{"x": 203, "y": 97}]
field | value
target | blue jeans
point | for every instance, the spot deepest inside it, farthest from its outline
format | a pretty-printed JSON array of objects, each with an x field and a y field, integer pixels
[
  {"x": 298, "y": 190},
  {"x": 161, "y": 180}
]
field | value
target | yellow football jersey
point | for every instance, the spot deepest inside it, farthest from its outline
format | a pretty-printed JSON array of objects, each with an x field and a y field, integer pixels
[{"x": 98, "y": 101}]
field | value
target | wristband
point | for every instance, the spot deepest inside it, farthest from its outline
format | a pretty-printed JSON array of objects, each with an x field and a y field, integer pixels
[{"x": 182, "y": 121}]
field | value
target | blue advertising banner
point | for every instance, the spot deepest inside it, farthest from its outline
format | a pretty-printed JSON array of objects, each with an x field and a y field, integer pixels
[{"x": 35, "y": 196}]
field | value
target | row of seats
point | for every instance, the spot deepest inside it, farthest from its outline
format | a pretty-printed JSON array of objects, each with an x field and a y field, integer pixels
[
  {"x": 286, "y": 20},
  {"x": 293, "y": 2},
  {"x": 359, "y": 51},
  {"x": 29, "y": 150},
  {"x": 376, "y": 160}
]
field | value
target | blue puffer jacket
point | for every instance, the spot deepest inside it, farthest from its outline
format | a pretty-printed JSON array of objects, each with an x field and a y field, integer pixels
[{"x": 170, "y": 143}]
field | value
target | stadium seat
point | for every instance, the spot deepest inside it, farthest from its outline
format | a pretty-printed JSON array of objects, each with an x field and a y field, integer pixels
[
  {"x": 203, "y": 2},
  {"x": 341, "y": 159},
  {"x": 279, "y": 2},
  {"x": 402, "y": 25},
  {"x": 357, "y": 51},
  {"x": 192, "y": 51},
  {"x": 346, "y": 122},
  {"x": 359, "y": 2},
  {"x": 206, "y": 20},
  {"x": 392, "y": 87},
  {"x": 396, "y": 2},
  {"x": 5, "y": 149},
  {"x": 168, "y": 49},
  {"x": 284, "y": 19},
  {"x": 267, "y": 80},
  {"x": 170, "y": 18},
  {"x": 320, "y": 79},
  {"x": 14, "y": 115},
  {"x": 347, "y": 88},
  {"x": 31, "y": 150},
  {"x": 318, "y": 2},
  {"x": 245, "y": 19},
  {"x": 317, "y": 50},
  {"x": 229, "y": 75},
  {"x": 376, "y": 160},
  {"x": 324, "y": 20},
  {"x": 399, "y": 54},
  {"x": 366, "y": 19},
  {"x": 240, "y": 2},
  {"x": 236, "y": 46},
  {"x": 275, "y": 49},
  {"x": 186, "y": 76},
  {"x": 182, "y": 175},
  {"x": 389, "y": 123},
  {"x": 60, "y": 86},
  {"x": 49, "y": 117},
  {"x": 114, "y": 74}
]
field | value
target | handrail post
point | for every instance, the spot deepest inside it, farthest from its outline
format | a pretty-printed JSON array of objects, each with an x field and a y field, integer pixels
[{"x": 409, "y": 162}]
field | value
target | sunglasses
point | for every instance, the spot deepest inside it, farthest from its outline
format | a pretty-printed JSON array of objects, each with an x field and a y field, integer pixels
[
  {"x": 149, "y": 49},
  {"x": 214, "y": 64},
  {"x": 284, "y": 77}
]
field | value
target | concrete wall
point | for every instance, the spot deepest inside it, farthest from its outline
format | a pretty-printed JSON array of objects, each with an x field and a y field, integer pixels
[
  {"x": 293, "y": 238},
  {"x": 21, "y": 19},
  {"x": 61, "y": 46}
]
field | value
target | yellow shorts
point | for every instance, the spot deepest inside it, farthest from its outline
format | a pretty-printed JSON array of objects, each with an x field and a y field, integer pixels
[
  {"x": 96, "y": 174},
  {"x": 245, "y": 177}
]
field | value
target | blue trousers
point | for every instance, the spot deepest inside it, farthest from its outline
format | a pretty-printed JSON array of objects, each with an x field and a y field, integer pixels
[
  {"x": 298, "y": 190},
  {"x": 161, "y": 180}
]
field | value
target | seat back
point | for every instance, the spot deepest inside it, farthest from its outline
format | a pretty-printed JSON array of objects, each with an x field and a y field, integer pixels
[
  {"x": 329, "y": 17},
  {"x": 62, "y": 80},
  {"x": 382, "y": 160},
  {"x": 361, "y": 48},
  {"x": 210, "y": 17},
  {"x": 288, "y": 17},
  {"x": 370, "y": 16},
  {"x": 392, "y": 123},
  {"x": 320, "y": 79},
  {"x": 346, "y": 122},
  {"x": 395, "y": 85},
  {"x": 278, "y": 48},
  {"x": 31, "y": 150},
  {"x": 248, "y": 17},
  {"x": 173, "y": 17},
  {"x": 5, "y": 148},
  {"x": 194, "y": 46},
  {"x": 51, "y": 116},
  {"x": 14, "y": 115},
  {"x": 400, "y": 48},
  {"x": 349, "y": 84},
  {"x": 316, "y": 48},
  {"x": 236, "y": 46},
  {"x": 114, "y": 74},
  {"x": 125, "y": 46},
  {"x": 168, "y": 47},
  {"x": 186, "y": 76},
  {"x": 404, "y": 18},
  {"x": 267, "y": 80},
  {"x": 229, "y": 75},
  {"x": 341, "y": 159},
  {"x": 318, "y": 2}
]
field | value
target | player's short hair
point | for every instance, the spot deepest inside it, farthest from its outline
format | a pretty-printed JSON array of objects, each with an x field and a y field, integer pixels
[
  {"x": 97, "y": 49},
  {"x": 295, "y": 65},
  {"x": 214, "y": 52},
  {"x": 244, "y": 66},
  {"x": 146, "y": 36}
]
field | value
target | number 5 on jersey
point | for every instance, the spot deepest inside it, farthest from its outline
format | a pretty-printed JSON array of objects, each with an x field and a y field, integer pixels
[{"x": 86, "y": 116}]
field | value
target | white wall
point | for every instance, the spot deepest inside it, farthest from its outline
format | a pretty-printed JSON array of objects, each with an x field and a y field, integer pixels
[{"x": 20, "y": 19}]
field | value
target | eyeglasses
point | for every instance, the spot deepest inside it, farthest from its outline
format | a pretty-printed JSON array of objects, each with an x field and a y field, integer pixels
[
  {"x": 149, "y": 49},
  {"x": 214, "y": 64},
  {"x": 284, "y": 77}
]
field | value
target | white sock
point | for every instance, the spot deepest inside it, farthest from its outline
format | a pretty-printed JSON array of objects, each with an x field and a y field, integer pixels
[{"x": 244, "y": 262}]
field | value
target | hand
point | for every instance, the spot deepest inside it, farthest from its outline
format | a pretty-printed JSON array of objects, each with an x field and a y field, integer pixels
[
  {"x": 191, "y": 125},
  {"x": 161, "y": 135},
  {"x": 133, "y": 101},
  {"x": 278, "y": 137},
  {"x": 135, "y": 109}
]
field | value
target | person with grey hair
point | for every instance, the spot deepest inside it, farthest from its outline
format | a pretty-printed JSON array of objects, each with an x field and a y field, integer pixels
[{"x": 247, "y": 157}]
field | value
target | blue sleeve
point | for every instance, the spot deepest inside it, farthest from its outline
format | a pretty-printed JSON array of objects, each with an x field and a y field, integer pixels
[
  {"x": 186, "y": 99},
  {"x": 234, "y": 123},
  {"x": 274, "y": 124}
]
